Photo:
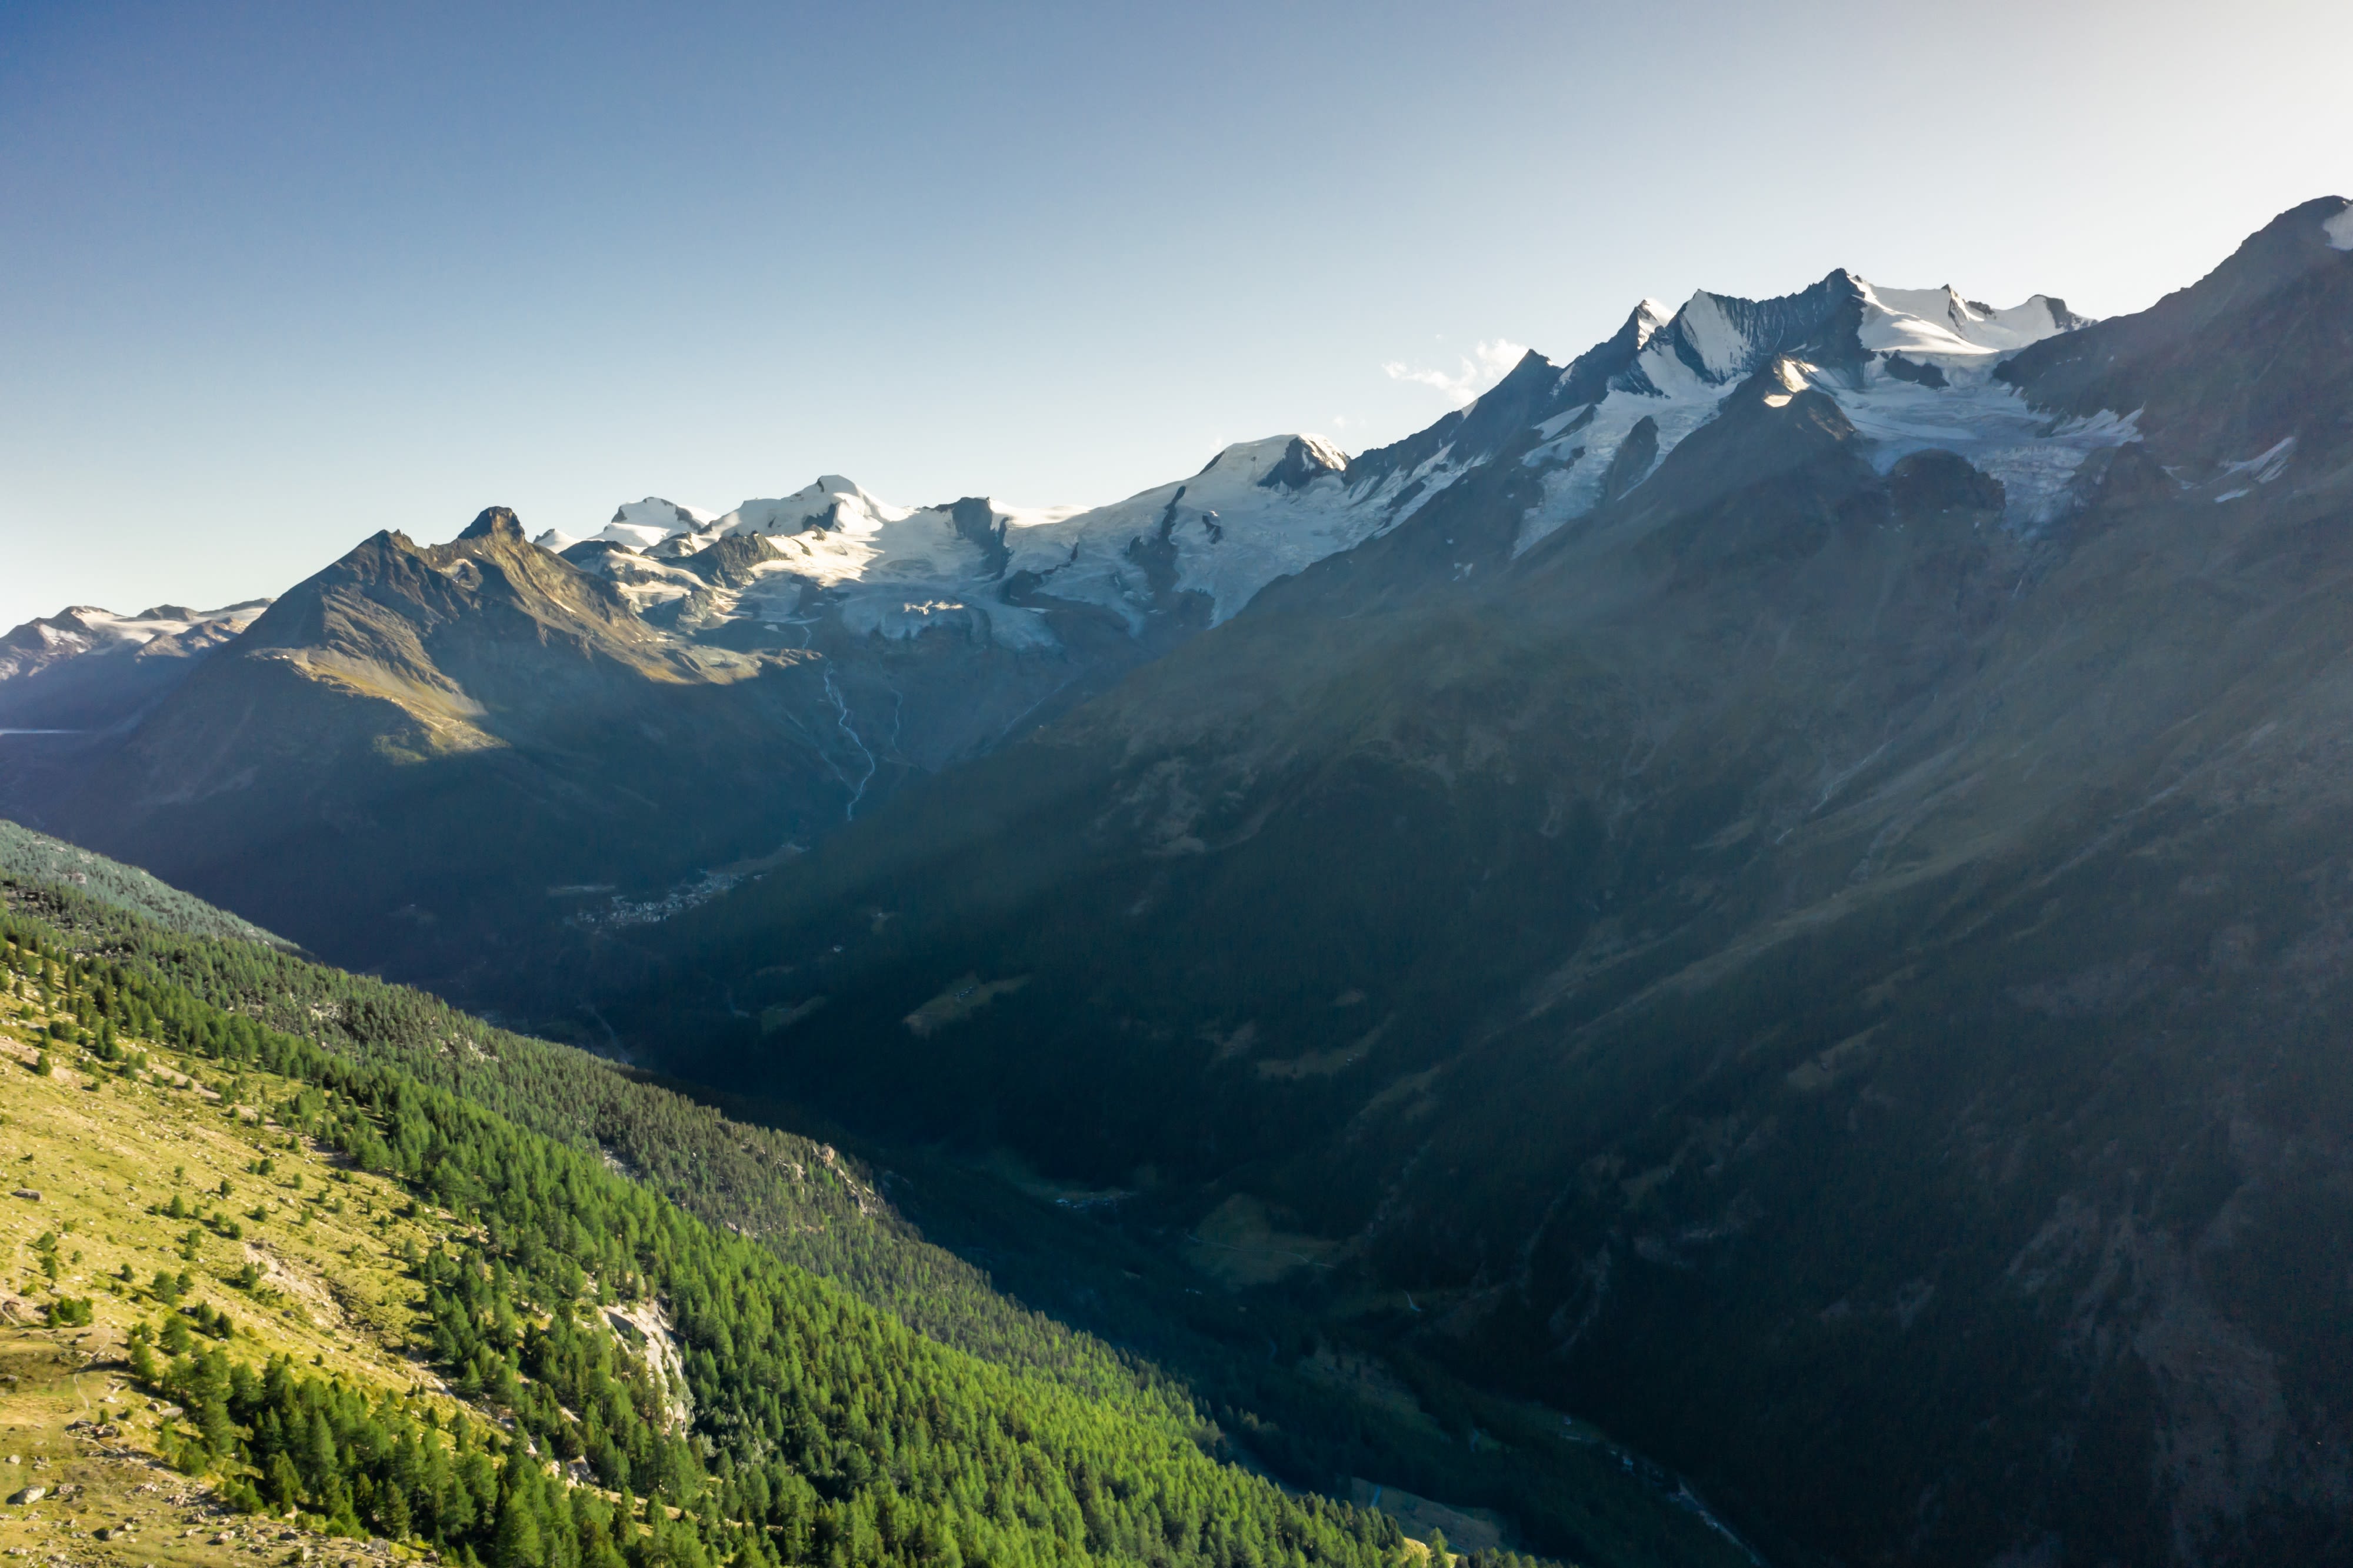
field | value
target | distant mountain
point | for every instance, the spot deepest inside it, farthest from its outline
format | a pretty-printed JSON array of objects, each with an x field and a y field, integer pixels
[
  {"x": 1256, "y": 512},
  {"x": 456, "y": 730},
  {"x": 1791, "y": 905},
  {"x": 605, "y": 730},
  {"x": 87, "y": 668},
  {"x": 73, "y": 684}
]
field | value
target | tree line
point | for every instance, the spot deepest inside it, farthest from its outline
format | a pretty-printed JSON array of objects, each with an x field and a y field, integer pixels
[{"x": 814, "y": 1428}]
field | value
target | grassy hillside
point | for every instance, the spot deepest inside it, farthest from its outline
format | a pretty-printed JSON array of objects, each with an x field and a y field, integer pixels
[
  {"x": 141, "y": 1205},
  {"x": 620, "y": 1345},
  {"x": 1155, "y": 1329},
  {"x": 814, "y": 1205}
]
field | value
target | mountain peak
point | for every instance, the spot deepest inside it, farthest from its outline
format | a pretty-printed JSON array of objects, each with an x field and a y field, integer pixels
[
  {"x": 495, "y": 522},
  {"x": 1306, "y": 459},
  {"x": 1942, "y": 323},
  {"x": 833, "y": 504}
]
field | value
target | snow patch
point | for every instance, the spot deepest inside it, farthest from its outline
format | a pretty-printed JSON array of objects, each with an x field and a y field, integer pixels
[
  {"x": 1938, "y": 325},
  {"x": 2260, "y": 469},
  {"x": 1791, "y": 376},
  {"x": 1722, "y": 348},
  {"x": 1586, "y": 447},
  {"x": 2339, "y": 229},
  {"x": 1989, "y": 422}
]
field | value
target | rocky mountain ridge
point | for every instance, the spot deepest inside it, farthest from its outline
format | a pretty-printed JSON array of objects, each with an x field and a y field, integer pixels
[
  {"x": 97, "y": 669},
  {"x": 820, "y": 649}
]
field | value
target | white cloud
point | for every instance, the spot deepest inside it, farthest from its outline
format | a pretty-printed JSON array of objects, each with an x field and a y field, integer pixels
[{"x": 1481, "y": 368}]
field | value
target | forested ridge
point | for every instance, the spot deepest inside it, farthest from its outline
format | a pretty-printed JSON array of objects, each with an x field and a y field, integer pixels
[
  {"x": 820, "y": 1209},
  {"x": 36, "y": 857},
  {"x": 812, "y": 1205},
  {"x": 815, "y": 1428}
]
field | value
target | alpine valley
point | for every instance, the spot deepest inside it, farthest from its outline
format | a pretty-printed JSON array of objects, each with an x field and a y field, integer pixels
[{"x": 1766, "y": 910}]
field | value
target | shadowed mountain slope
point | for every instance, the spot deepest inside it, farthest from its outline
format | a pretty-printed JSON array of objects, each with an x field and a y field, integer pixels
[
  {"x": 455, "y": 729},
  {"x": 1828, "y": 959}
]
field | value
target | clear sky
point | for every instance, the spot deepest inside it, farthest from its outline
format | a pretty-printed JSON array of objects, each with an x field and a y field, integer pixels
[{"x": 273, "y": 277}]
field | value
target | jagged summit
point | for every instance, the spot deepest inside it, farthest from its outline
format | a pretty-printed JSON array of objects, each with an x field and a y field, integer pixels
[
  {"x": 1261, "y": 509},
  {"x": 1844, "y": 321},
  {"x": 1647, "y": 318},
  {"x": 1929, "y": 322},
  {"x": 1306, "y": 459},
  {"x": 496, "y": 522},
  {"x": 1910, "y": 367}
]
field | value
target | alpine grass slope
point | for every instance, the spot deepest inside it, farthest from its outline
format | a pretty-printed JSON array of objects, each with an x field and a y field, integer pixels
[{"x": 612, "y": 1381}]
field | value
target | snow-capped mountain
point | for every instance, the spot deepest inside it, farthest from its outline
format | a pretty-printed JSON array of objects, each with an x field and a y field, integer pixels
[
  {"x": 879, "y": 642},
  {"x": 86, "y": 667},
  {"x": 825, "y": 647},
  {"x": 1913, "y": 367},
  {"x": 1258, "y": 510},
  {"x": 81, "y": 629}
]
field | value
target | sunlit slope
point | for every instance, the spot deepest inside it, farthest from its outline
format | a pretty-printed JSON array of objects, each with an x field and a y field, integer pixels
[
  {"x": 165, "y": 1209},
  {"x": 622, "y": 1347}
]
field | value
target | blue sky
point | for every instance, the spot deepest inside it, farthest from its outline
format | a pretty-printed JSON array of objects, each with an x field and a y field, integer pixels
[{"x": 274, "y": 277}]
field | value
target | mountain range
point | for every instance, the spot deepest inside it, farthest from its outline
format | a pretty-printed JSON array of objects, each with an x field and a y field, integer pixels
[
  {"x": 603, "y": 730},
  {"x": 1778, "y": 886}
]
